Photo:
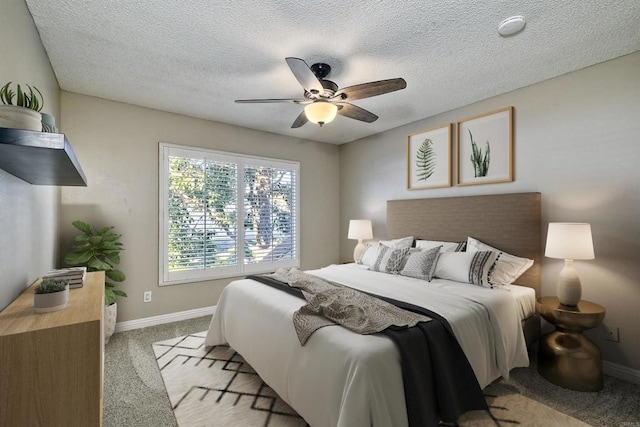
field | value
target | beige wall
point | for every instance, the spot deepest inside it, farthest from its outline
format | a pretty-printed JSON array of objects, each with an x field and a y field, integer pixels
[
  {"x": 577, "y": 142},
  {"x": 28, "y": 213},
  {"x": 117, "y": 145}
]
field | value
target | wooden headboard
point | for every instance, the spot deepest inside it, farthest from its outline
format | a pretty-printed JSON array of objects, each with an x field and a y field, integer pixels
[{"x": 510, "y": 222}]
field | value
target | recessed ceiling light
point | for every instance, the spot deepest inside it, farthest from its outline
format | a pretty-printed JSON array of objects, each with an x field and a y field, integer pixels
[{"x": 511, "y": 26}]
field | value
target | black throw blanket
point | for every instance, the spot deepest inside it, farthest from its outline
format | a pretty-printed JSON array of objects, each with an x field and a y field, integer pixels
[{"x": 439, "y": 383}]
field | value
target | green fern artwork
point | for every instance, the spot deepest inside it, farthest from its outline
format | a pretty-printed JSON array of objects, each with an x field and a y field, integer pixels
[
  {"x": 480, "y": 162},
  {"x": 425, "y": 160}
]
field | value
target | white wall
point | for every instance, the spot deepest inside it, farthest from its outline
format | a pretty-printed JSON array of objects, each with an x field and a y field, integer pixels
[
  {"x": 117, "y": 145},
  {"x": 577, "y": 141},
  {"x": 28, "y": 213}
]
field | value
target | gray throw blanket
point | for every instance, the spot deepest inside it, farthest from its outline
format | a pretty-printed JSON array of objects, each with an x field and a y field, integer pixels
[{"x": 330, "y": 304}]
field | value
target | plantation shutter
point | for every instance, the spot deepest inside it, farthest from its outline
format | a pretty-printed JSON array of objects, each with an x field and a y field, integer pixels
[
  {"x": 204, "y": 193},
  {"x": 270, "y": 227}
]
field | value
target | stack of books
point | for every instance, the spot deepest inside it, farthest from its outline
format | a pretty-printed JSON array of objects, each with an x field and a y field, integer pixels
[{"x": 74, "y": 275}]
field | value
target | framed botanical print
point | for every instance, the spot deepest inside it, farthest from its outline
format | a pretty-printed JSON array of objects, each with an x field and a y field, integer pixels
[
  {"x": 485, "y": 148},
  {"x": 429, "y": 158}
]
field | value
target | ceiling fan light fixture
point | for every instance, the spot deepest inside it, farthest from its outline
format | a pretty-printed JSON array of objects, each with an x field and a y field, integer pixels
[
  {"x": 321, "y": 112},
  {"x": 323, "y": 98}
]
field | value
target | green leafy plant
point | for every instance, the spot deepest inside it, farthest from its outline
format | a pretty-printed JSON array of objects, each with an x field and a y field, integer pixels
[
  {"x": 49, "y": 286},
  {"x": 480, "y": 162},
  {"x": 31, "y": 99},
  {"x": 425, "y": 160},
  {"x": 99, "y": 250}
]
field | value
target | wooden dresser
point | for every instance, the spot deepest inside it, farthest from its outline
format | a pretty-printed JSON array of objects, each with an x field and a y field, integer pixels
[{"x": 51, "y": 364}]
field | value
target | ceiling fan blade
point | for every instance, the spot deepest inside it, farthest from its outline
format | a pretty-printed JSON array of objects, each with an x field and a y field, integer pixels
[
  {"x": 305, "y": 76},
  {"x": 300, "y": 120},
  {"x": 355, "y": 112},
  {"x": 367, "y": 90},
  {"x": 262, "y": 101}
]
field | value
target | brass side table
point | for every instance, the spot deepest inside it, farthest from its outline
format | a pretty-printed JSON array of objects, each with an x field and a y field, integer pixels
[{"x": 565, "y": 356}]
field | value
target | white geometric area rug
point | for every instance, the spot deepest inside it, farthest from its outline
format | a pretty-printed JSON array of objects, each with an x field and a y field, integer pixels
[{"x": 214, "y": 386}]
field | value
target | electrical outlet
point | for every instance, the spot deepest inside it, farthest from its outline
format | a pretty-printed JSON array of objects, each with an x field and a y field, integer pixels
[
  {"x": 613, "y": 334},
  {"x": 147, "y": 296}
]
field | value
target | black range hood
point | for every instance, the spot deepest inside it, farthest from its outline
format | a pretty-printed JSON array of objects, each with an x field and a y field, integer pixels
[{"x": 40, "y": 158}]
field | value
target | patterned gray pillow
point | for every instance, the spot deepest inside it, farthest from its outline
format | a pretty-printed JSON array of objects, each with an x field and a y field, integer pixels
[
  {"x": 389, "y": 259},
  {"x": 421, "y": 264}
]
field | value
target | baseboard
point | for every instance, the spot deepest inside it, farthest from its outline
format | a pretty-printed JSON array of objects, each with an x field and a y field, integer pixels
[
  {"x": 164, "y": 318},
  {"x": 622, "y": 372}
]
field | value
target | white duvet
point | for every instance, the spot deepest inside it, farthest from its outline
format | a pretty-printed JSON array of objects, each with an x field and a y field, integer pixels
[{"x": 340, "y": 378}]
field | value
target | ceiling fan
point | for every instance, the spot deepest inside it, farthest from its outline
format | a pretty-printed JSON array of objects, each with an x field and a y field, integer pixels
[{"x": 322, "y": 98}]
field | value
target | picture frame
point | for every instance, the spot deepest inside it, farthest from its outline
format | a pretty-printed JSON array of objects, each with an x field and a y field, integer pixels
[
  {"x": 485, "y": 148},
  {"x": 429, "y": 158}
]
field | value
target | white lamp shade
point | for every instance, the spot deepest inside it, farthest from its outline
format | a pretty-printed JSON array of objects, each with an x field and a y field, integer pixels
[
  {"x": 569, "y": 240},
  {"x": 321, "y": 112},
  {"x": 360, "y": 229}
]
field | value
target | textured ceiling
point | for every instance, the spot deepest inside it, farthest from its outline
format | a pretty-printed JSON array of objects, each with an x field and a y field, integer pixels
[{"x": 196, "y": 57}]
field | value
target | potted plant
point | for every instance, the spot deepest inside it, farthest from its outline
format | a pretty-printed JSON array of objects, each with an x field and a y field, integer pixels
[
  {"x": 25, "y": 112},
  {"x": 51, "y": 295},
  {"x": 99, "y": 250}
]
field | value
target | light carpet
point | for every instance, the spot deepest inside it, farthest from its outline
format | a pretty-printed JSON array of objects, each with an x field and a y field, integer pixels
[{"x": 215, "y": 386}]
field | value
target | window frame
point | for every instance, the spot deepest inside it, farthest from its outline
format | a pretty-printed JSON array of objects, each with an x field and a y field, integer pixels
[{"x": 205, "y": 274}]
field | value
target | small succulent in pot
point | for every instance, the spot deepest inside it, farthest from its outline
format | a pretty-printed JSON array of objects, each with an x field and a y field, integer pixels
[
  {"x": 49, "y": 286},
  {"x": 50, "y": 295},
  {"x": 32, "y": 99}
]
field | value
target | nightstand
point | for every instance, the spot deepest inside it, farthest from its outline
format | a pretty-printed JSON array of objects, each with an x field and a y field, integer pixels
[{"x": 565, "y": 356}]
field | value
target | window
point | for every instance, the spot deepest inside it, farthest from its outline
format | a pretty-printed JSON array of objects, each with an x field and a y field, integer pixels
[{"x": 224, "y": 214}]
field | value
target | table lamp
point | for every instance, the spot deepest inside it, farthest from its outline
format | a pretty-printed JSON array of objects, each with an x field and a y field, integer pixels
[
  {"x": 360, "y": 229},
  {"x": 569, "y": 241}
]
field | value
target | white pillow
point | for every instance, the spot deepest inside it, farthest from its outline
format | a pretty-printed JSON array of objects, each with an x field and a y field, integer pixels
[
  {"x": 389, "y": 259},
  {"x": 405, "y": 242},
  {"x": 465, "y": 267},
  {"x": 446, "y": 246},
  {"x": 420, "y": 263},
  {"x": 507, "y": 267},
  {"x": 370, "y": 255}
]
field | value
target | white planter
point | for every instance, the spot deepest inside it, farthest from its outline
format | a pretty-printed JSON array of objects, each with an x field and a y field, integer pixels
[
  {"x": 110, "y": 314},
  {"x": 48, "y": 123},
  {"x": 45, "y": 303},
  {"x": 20, "y": 118}
]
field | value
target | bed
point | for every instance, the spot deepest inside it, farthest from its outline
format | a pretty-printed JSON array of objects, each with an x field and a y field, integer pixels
[{"x": 340, "y": 378}]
